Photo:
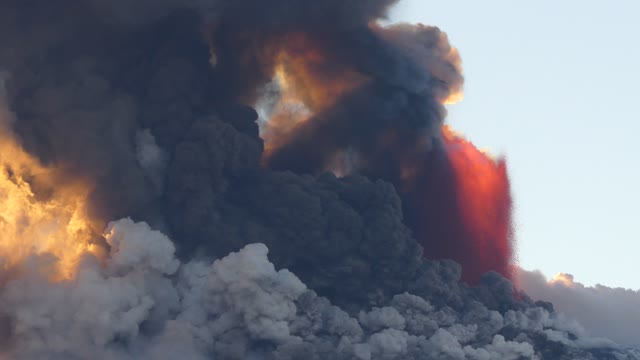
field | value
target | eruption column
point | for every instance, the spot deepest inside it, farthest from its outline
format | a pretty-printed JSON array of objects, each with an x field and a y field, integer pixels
[{"x": 341, "y": 106}]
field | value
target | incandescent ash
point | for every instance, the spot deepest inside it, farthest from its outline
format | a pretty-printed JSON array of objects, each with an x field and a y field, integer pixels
[{"x": 142, "y": 101}]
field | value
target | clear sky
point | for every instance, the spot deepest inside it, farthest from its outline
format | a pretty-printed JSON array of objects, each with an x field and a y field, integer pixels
[{"x": 555, "y": 86}]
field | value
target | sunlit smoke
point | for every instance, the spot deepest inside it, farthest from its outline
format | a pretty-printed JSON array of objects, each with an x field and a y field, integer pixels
[
  {"x": 39, "y": 212},
  {"x": 562, "y": 278},
  {"x": 454, "y": 98},
  {"x": 304, "y": 84}
]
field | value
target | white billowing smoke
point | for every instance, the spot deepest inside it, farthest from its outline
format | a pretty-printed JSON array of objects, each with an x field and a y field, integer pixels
[
  {"x": 603, "y": 311},
  {"x": 142, "y": 303},
  {"x": 101, "y": 306}
]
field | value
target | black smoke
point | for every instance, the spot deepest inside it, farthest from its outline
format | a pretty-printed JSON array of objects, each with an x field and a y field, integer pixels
[{"x": 125, "y": 94}]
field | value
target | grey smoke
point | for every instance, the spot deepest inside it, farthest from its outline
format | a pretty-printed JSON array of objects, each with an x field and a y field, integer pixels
[
  {"x": 144, "y": 304},
  {"x": 151, "y": 157},
  {"x": 603, "y": 311}
]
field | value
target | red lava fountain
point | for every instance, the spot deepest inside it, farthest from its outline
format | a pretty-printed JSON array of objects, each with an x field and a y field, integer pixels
[
  {"x": 483, "y": 202},
  {"x": 459, "y": 207}
]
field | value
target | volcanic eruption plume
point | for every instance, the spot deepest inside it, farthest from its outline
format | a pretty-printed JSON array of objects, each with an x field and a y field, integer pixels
[
  {"x": 369, "y": 100},
  {"x": 147, "y": 211}
]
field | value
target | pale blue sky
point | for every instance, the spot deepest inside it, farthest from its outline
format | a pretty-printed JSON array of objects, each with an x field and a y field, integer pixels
[{"x": 555, "y": 86}]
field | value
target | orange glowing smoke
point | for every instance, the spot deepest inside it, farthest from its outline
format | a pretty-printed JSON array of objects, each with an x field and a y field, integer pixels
[
  {"x": 308, "y": 75},
  {"x": 564, "y": 279},
  {"x": 454, "y": 98},
  {"x": 39, "y": 213},
  {"x": 483, "y": 198},
  {"x": 308, "y": 83}
]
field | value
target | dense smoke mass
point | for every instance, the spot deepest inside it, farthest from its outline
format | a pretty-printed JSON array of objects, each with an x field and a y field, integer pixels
[{"x": 309, "y": 244}]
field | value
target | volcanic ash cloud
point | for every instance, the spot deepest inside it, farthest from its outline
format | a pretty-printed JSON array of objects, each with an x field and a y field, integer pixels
[{"x": 324, "y": 233}]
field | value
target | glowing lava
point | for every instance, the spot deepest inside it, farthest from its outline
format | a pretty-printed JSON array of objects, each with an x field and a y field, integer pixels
[{"x": 482, "y": 193}]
